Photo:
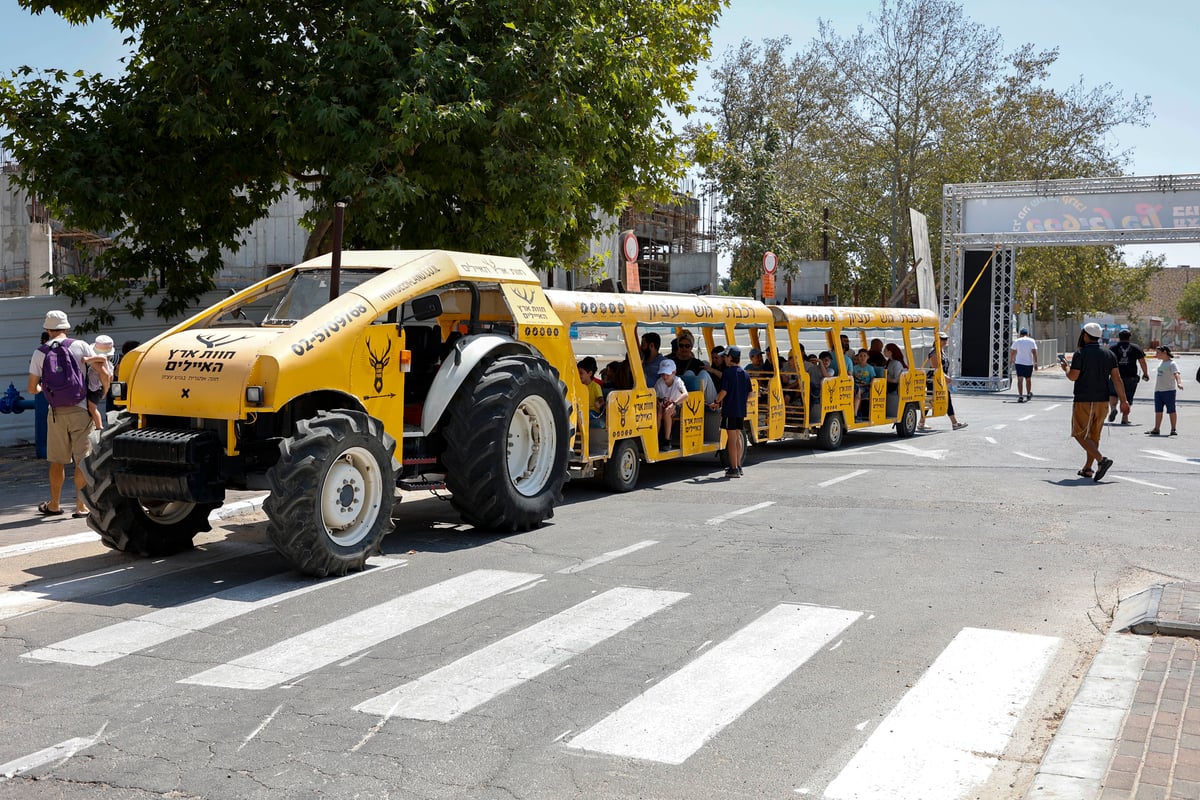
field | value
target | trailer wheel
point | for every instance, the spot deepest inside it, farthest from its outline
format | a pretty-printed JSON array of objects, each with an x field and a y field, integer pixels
[
  {"x": 507, "y": 443},
  {"x": 906, "y": 426},
  {"x": 621, "y": 470},
  {"x": 141, "y": 527},
  {"x": 833, "y": 431},
  {"x": 332, "y": 492}
]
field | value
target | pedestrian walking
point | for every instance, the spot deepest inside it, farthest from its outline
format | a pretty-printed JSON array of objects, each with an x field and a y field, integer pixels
[
  {"x": 731, "y": 399},
  {"x": 933, "y": 363},
  {"x": 1166, "y": 383},
  {"x": 1023, "y": 357},
  {"x": 59, "y": 370},
  {"x": 1129, "y": 358},
  {"x": 1090, "y": 370}
]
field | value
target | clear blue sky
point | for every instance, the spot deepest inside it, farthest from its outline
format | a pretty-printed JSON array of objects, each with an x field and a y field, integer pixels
[{"x": 1144, "y": 49}]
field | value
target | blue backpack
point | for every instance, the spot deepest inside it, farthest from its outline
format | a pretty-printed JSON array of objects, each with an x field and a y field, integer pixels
[{"x": 63, "y": 379}]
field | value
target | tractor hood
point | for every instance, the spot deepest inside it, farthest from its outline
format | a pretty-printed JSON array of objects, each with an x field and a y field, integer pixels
[{"x": 200, "y": 372}]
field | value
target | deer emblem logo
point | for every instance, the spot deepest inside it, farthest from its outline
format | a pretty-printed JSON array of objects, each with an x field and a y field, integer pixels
[
  {"x": 218, "y": 341},
  {"x": 527, "y": 295},
  {"x": 693, "y": 405},
  {"x": 378, "y": 362},
  {"x": 623, "y": 410}
]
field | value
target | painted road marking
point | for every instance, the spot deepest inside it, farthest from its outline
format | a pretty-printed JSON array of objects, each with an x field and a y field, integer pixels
[
  {"x": 739, "y": 512},
  {"x": 946, "y": 735},
  {"x": 471, "y": 681},
  {"x": 1027, "y": 455},
  {"x": 913, "y": 450},
  {"x": 605, "y": 557},
  {"x": 40, "y": 595},
  {"x": 1026, "y": 417},
  {"x": 157, "y": 627},
  {"x": 673, "y": 719},
  {"x": 1143, "y": 483},
  {"x": 8, "y": 551},
  {"x": 342, "y": 638},
  {"x": 59, "y": 752},
  {"x": 846, "y": 477},
  {"x": 1163, "y": 455}
]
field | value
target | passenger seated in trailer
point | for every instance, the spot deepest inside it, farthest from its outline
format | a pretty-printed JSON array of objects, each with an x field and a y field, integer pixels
[
  {"x": 760, "y": 369},
  {"x": 816, "y": 378},
  {"x": 863, "y": 375},
  {"x": 716, "y": 370},
  {"x": 688, "y": 366},
  {"x": 877, "y": 358},
  {"x": 670, "y": 392},
  {"x": 895, "y": 367},
  {"x": 618, "y": 376},
  {"x": 650, "y": 346},
  {"x": 595, "y": 392},
  {"x": 790, "y": 378}
]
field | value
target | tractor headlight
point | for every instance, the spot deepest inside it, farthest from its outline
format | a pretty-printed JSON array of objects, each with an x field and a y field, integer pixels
[
  {"x": 118, "y": 389},
  {"x": 254, "y": 395}
]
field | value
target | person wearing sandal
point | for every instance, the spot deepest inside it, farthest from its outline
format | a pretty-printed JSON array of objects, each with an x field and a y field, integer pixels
[
  {"x": 1091, "y": 369},
  {"x": 67, "y": 426},
  {"x": 1166, "y": 382}
]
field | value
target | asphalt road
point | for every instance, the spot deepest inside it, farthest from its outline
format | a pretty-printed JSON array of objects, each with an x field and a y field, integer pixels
[{"x": 898, "y": 618}]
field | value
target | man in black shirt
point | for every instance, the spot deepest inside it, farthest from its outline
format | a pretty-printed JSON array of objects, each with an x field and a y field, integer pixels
[
  {"x": 1129, "y": 357},
  {"x": 1091, "y": 368}
]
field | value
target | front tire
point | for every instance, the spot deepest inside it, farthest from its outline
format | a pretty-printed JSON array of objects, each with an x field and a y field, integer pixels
[
  {"x": 622, "y": 469},
  {"x": 833, "y": 431},
  {"x": 507, "y": 444},
  {"x": 332, "y": 492},
  {"x": 130, "y": 525}
]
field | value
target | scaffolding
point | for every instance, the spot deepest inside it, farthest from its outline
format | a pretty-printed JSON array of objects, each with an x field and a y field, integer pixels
[{"x": 679, "y": 226}]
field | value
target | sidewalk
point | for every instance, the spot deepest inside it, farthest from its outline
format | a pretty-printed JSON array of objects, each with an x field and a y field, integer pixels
[
  {"x": 24, "y": 479},
  {"x": 1133, "y": 728}
]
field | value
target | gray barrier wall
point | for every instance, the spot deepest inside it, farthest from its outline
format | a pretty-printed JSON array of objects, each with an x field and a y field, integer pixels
[{"x": 20, "y": 333}]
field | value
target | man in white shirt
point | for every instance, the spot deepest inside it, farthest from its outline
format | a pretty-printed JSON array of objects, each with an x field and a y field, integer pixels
[{"x": 1023, "y": 357}]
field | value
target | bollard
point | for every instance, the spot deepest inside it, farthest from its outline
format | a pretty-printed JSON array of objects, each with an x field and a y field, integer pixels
[{"x": 11, "y": 402}]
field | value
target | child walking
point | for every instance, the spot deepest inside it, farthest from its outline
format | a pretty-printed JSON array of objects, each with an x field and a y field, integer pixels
[{"x": 1166, "y": 383}]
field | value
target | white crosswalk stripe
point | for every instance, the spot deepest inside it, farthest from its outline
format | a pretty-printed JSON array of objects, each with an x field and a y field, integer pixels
[
  {"x": 322, "y": 646},
  {"x": 946, "y": 734},
  {"x": 674, "y": 718},
  {"x": 942, "y": 739},
  {"x": 158, "y": 627},
  {"x": 453, "y": 690}
]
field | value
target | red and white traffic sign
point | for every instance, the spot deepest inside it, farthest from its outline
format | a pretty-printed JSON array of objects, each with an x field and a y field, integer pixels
[
  {"x": 769, "y": 262},
  {"x": 629, "y": 246}
]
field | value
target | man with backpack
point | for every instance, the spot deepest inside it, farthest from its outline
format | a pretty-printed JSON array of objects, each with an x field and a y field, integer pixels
[{"x": 58, "y": 369}]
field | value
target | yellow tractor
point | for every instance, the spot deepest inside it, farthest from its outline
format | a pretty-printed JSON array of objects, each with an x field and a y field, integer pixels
[{"x": 330, "y": 385}]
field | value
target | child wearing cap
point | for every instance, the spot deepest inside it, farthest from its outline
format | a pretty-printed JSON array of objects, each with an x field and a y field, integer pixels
[
  {"x": 99, "y": 377},
  {"x": 1166, "y": 383},
  {"x": 670, "y": 391}
]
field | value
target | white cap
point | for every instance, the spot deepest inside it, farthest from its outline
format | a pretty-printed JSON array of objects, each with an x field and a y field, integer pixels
[
  {"x": 1093, "y": 329},
  {"x": 667, "y": 367},
  {"x": 56, "y": 321}
]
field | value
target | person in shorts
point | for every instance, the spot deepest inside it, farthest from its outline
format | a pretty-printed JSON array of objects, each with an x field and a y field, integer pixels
[
  {"x": 1166, "y": 383},
  {"x": 1024, "y": 360},
  {"x": 731, "y": 399},
  {"x": 1090, "y": 369},
  {"x": 67, "y": 427},
  {"x": 1129, "y": 358}
]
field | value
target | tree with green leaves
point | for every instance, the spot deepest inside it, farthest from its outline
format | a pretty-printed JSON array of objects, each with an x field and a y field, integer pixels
[
  {"x": 876, "y": 122},
  {"x": 501, "y": 126},
  {"x": 1189, "y": 303}
]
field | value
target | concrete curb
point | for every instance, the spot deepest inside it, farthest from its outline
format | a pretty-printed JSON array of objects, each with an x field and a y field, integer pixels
[
  {"x": 1077, "y": 760},
  {"x": 237, "y": 509}
]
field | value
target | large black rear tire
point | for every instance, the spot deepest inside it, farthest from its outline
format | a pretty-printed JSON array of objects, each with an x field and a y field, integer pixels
[
  {"x": 507, "y": 443},
  {"x": 332, "y": 493},
  {"x": 140, "y": 527}
]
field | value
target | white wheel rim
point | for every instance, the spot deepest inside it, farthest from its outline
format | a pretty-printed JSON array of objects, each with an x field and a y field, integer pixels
[
  {"x": 531, "y": 446},
  {"x": 350, "y": 496},
  {"x": 170, "y": 512},
  {"x": 627, "y": 464}
]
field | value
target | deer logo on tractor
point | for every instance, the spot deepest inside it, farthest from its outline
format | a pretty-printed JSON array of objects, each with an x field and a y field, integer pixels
[{"x": 378, "y": 362}]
